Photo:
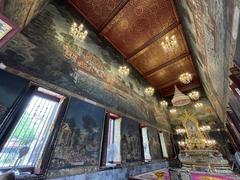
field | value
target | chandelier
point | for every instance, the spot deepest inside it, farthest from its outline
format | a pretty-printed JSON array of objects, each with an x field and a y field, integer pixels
[
  {"x": 198, "y": 105},
  {"x": 180, "y": 131},
  {"x": 205, "y": 128},
  {"x": 180, "y": 99},
  {"x": 78, "y": 32},
  {"x": 172, "y": 111},
  {"x": 149, "y": 91},
  {"x": 185, "y": 78},
  {"x": 164, "y": 103},
  {"x": 169, "y": 43},
  {"x": 194, "y": 95},
  {"x": 123, "y": 71},
  {"x": 210, "y": 142}
]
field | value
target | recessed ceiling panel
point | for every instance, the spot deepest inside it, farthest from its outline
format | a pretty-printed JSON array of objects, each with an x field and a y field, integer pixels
[
  {"x": 97, "y": 12},
  {"x": 169, "y": 74},
  {"x": 155, "y": 55},
  {"x": 137, "y": 22}
]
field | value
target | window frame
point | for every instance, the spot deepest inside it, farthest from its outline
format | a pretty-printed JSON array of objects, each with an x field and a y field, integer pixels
[
  {"x": 12, "y": 119},
  {"x": 103, "y": 160}
]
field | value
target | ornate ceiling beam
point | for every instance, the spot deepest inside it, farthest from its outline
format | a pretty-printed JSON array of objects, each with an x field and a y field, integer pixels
[
  {"x": 152, "y": 40},
  {"x": 172, "y": 61},
  {"x": 114, "y": 13}
]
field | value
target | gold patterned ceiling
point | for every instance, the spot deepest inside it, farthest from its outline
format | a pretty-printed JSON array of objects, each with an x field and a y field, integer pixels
[{"x": 140, "y": 31}]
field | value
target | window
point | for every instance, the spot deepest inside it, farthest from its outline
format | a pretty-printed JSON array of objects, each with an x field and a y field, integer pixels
[
  {"x": 112, "y": 146},
  {"x": 163, "y": 145},
  {"x": 25, "y": 145},
  {"x": 145, "y": 141}
]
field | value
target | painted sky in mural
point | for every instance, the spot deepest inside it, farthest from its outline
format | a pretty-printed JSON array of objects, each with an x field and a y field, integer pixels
[{"x": 89, "y": 68}]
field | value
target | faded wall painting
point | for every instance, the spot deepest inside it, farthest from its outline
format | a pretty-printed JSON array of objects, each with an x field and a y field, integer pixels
[
  {"x": 11, "y": 88},
  {"x": 206, "y": 25},
  {"x": 154, "y": 144},
  {"x": 46, "y": 50},
  {"x": 21, "y": 12},
  {"x": 79, "y": 140},
  {"x": 131, "y": 147}
]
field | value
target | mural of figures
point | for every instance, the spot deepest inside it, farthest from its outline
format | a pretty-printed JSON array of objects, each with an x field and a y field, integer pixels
[
  {"x": 131, "y": 147},
  {"x": 46, "y": 50},
  {"x": 154, "y": 144},
  {"x": 79, "y": 140},
  {"x": 206, "y": 24}
]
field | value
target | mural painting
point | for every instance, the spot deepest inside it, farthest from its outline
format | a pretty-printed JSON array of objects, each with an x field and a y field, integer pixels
[
  {"x": 21, "y": 12},
  {"x": 205, "y": 23},
  {"x": 131, "y": 147},
  {"x": 46, "y": 50},
  {"x": 11, "y": 88},
  {"x": 154, "y": 144},
  {"x": 79, "y": 140}
]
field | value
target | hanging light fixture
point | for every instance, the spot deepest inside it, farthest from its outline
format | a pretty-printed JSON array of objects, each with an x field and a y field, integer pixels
[
  {"x": 194, "y": 95},
  {"x": 180, "y": 131},
  {"x": 172, "y": 111},
  {"x": 169, "y": 43},
  {"x": 180, "y": 99},
  {"x": 78, "y": 32},
  {"x": 185, "y": 78},
  {"x": 123, "y": 71},
  {"x": 164, "y": 103},
  {"x": 205, "y": 128},
  {"x": 149, "y": 91},
  {"x": 198, "y": 105}
]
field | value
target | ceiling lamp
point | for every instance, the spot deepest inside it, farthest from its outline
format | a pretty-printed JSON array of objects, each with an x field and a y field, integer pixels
[
  {"x": 77, "y": 31},
  {"x": 194, "y": 95},
  {"x": 180, "y": 131},
  {"x": 164, "y": 103},
  {"x": 172, "y": 111},
  {"x": 123, "y": 71},
  {"x": 149, "y": 91},
  {"x": 180, "y": 99},
  {"x": 169, "y": 43},
  {"x": 198, "y": 105},
  {"x": 185, "y": 78},
  {"x": 205, "y": 128}
]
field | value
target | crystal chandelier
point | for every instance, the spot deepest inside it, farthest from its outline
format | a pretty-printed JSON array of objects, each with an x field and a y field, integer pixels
[
  {"x": 205, "y": 128},
  {"x": 194, "y": 95},
  {"x": 172, "y": 111},
  {"x": 198, "y": 105},
  {"x": 210, "y": 142},
  {"x": 180, "y": 99},
  {"x": 149, "y": 91},
  {"x": 123, "y": 71},
  {"x": 169, "y": 43},
  {"x": 180, "y": 131},
  {"x": 77, "y": 31},
  {"x": 185, "y": 78},
  {"x": 164, "y": 103}
]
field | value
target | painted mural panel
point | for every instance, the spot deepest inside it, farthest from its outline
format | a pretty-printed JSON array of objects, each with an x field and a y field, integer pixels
[
  {"x": 79, "y": 140},
  {"x": 46, "y": 50},
  {"x": 206, "y": 24},
  {"x": 11, "y": 87},
  {"x": 131, "y": 147},
  {"x": 154, "y": 144},
  {"x": 21, "y": 12}
]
